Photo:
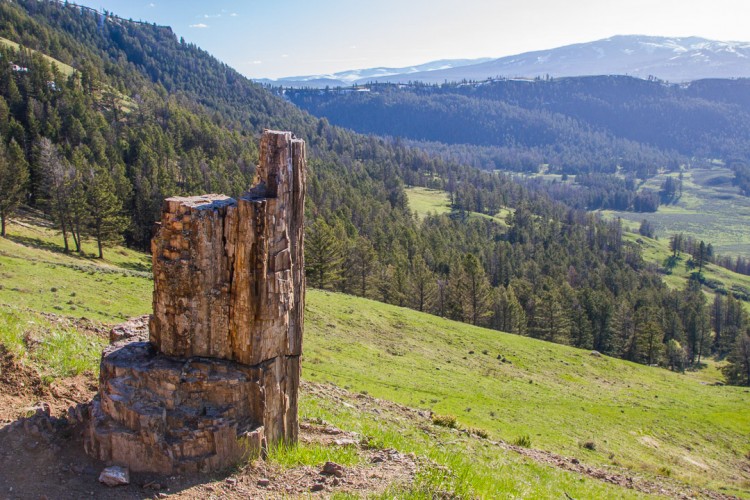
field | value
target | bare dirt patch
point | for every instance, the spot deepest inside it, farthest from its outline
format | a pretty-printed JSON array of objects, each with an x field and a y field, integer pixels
[{"x": 42, "y": 457}]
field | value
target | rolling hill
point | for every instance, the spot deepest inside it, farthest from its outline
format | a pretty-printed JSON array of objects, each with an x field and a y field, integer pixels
[{"x": 609, "y": 427}]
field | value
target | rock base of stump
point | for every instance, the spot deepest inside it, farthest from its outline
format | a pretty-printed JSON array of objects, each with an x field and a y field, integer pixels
[{"x": 177, "y": 416}]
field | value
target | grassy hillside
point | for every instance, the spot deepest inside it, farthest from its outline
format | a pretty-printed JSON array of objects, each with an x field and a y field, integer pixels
[
  {"x": 656, "y": 251},
  {"x": 62, "y": 67},
  {"x": 423, "y": 201},
  {"x": 37, "y": 274},
  {"x": 711, "y": 208},
  {"x": 610, "y": 415},
  {"x": 645, "y": 419}
]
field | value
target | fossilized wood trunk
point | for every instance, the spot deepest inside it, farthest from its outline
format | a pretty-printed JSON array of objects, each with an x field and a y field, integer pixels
[{"x": 221, "y": 373}]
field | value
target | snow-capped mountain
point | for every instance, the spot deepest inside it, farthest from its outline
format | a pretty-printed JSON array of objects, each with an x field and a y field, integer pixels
[
  {"x": 355, "y": 76},
  {"x": 671, "y": 59}
]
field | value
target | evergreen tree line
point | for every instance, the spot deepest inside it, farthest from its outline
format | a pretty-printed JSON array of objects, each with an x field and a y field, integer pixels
[
  {"x": 147, "y": 116},
  {"x": 570, "y": 125},
  {"x": 505, "y": 135}
]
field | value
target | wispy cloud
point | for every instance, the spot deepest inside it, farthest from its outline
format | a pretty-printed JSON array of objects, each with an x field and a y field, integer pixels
[
  {"x": 199, "y": 25},
  {"x": 233, "y": 14},
  {"x": 284, "y": 56},
  {"x": 152, "y": 5},
  {"x": 211, "y": 16}
]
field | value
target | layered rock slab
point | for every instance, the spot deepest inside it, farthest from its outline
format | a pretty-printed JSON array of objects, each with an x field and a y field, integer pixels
[{"x": 219, "y": 378}]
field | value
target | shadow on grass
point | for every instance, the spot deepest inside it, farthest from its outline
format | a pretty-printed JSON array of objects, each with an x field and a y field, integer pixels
[
  {"x": 135, "y": 266},
  {"x": 28, "y": 241}
]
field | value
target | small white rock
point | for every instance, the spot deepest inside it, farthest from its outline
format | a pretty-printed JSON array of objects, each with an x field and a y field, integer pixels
[
  {"x": 344, "y": 442},
  {"x": 115, "y": 476}
]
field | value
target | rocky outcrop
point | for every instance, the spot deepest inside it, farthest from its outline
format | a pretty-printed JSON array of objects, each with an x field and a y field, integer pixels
[{"x": 219, "y": 378}]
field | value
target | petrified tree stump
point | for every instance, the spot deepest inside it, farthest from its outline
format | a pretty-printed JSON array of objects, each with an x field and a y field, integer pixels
[{"x": 219, "y": 378}]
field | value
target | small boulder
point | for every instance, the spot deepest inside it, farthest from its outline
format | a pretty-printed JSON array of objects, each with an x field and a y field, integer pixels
[
  {"x": 135, "y": 329},
  {"x": 115, "y": 476},
  {"x": 264, "y": 482},
  {"x": 333, "y": 469},
  {"x": 596, "y": 354}
]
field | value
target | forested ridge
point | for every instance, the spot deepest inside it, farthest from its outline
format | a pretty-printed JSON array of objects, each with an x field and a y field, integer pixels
[
  {"x": 580, "y": 125},
  {"x": 147, "y": 116}
]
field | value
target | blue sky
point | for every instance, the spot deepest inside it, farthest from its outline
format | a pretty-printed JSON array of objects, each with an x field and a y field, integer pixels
[{"x": 300, "y": 37}]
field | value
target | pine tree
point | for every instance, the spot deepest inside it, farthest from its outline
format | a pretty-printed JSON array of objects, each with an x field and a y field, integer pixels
[
  {"x": 737, "y": 371},
  {"x": 77, "y": 213},
  {"x": 476, "y": 290},
  {"x": 105, "y": 222},
  {"x": 422, "y": 284},
  {"x": 623, "y": 330},
  {"x": 14, "y": 177},
  {"x": 360, "y": 265},
  {"x": 323, "y": 255},
  {"x": 581, "y": 332},
  {"x": 508, "y": 314},
  {"x": 550, "y": 321},
  {"x": 648, "y": 345},
  {"x": 717, "y": 320}
]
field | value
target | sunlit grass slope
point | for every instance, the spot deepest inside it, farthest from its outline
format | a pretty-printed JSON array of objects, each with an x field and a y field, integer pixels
[
  {"x": 656, "y": 252},
  {"x": 36, "y": 274},
  {"x": 647, "y": 420},
  {"x": 711, "y": 209},
  {"x": 424, "y": 200},
  {"x": 62, "y": 67}
]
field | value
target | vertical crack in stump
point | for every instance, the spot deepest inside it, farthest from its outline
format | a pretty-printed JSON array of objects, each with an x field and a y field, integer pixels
[{"x": 219, "y": 378}]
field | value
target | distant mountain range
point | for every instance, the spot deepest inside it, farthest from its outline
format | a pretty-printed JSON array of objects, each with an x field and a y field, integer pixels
[
  {"x": 356, "y": 76},
  {"x": 670, "y": 59}
]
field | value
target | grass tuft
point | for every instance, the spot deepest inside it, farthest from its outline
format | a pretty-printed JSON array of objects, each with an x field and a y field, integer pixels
[
  {"x": 68, "y": 353},
  {"x": 56, "y": 351},
  {"x": 523, "y": 441},
  {"x": 478, "y": 432},
  {"x": 312, "y": 455},
  {"x": 588, "y": 445},
  {"x": 445, "y": 421},
  {"x": 12, "y": 333}
]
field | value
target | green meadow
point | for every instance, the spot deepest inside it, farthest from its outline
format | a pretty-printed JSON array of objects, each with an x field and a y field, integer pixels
[
  {"x": 710, "y": 209},
  {"x": 423, "y": 201}
]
